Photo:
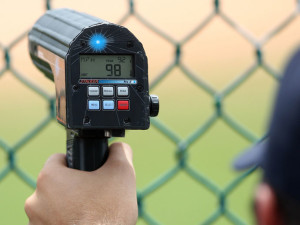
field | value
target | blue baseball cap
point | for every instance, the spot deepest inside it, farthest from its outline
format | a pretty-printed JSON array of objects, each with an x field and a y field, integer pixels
[{"x": 279, "y": 154}]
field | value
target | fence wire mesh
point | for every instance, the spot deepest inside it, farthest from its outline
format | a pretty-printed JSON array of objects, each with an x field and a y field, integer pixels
[{"x": 182, "y": 145}]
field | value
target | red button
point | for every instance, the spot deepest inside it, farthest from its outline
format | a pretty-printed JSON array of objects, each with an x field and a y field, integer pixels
[{"x": 123, "y": 105}]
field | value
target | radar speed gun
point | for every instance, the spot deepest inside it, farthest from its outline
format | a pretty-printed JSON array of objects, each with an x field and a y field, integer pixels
[{"x": 100, "y": 71}]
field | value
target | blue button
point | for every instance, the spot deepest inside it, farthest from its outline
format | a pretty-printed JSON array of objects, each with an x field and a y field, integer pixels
[
  {"x": 108, "y": 105},
  {"x": 94, "y": 105}
]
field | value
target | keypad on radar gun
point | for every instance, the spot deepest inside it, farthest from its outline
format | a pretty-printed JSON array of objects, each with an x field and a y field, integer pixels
[{"x": 108, "y": 98}]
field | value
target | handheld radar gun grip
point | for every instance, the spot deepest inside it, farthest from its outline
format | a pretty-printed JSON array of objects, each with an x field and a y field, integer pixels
[{"x": 86, "y": 152}]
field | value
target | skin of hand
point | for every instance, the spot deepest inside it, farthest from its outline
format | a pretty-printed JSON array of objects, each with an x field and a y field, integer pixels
[
  {"x": 266, "y": 206},
  {"x": 65, "y": 196}
]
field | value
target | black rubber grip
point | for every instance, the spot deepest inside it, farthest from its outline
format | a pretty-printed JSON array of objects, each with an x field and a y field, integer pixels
[{"x": 86, "y": 152}]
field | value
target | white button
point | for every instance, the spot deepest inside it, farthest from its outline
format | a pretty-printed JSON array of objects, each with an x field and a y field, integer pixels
[
  {"x": 94, "y": 105},
  {"x": 93, "y": 91},
  {"x": 108, "y": 91},
  {"x": 122, "y": 91},
  {"x": 108, "y": 105}
]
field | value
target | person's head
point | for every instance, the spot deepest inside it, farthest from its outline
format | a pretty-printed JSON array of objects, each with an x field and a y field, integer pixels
[{"x": 277, "y": 200}]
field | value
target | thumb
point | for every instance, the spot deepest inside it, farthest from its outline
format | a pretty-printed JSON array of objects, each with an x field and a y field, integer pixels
[
  {"x": 57, "y": 160},
  {"x": 119, "y": 152}
]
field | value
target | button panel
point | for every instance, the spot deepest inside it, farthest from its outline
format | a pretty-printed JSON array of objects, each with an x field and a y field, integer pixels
[{"x": 108, "y": 98}]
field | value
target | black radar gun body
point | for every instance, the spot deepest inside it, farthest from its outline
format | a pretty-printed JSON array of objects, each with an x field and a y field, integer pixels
[{"x": 100, "y": 71}]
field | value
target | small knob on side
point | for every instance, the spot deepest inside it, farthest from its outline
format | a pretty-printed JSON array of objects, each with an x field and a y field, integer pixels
[{"x": 154, "y": 105}]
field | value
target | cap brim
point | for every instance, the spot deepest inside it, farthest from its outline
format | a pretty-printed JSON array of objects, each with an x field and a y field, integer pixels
[{"x": 251, "y": 157}]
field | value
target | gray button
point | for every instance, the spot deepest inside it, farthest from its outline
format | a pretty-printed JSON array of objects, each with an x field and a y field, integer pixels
[
  {"x": 122, "y": 91},
  {"x": 93, "y": 91},
  {"x": 108, "y": 91}
]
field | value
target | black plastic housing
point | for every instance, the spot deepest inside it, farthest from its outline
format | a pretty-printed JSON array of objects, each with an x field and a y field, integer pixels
[{"x": 56, "y": 41}]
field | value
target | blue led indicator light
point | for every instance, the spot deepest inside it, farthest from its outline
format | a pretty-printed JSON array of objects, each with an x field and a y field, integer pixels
[{"x": 98, "y": 42}]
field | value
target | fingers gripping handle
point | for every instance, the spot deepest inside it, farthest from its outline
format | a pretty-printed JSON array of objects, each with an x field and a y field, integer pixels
[{"x": 86, "y": 152}]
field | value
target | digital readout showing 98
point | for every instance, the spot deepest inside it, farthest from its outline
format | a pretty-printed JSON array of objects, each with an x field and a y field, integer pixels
[{"x": 106, "y": 66}]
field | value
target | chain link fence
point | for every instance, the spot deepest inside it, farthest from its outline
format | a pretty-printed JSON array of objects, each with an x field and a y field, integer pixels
[{"x": 182, "y": 145}]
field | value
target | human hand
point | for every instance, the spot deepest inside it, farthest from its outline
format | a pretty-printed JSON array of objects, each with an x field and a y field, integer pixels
[{"x": 65, "y": 196}]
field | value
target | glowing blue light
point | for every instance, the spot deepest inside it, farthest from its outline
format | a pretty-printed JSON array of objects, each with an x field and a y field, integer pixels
[{"x": 98, "y": 42}]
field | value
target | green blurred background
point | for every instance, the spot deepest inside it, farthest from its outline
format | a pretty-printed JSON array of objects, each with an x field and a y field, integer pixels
[{"x": 216, "y": 54}]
